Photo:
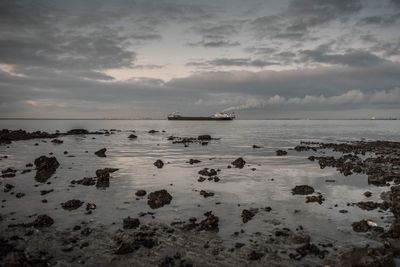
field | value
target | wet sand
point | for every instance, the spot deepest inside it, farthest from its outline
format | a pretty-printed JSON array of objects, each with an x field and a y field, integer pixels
[{"x": 198, "y": 221}]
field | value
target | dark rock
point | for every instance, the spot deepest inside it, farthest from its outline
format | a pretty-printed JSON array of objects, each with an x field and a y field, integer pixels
[
  {"x": 365, "y": 226},
  {"x": 45, "y": 168},
  {"x": 19, "y": 195},
  {"x": 43, "y": 221},
  {"x": 103, "y": 177},
  {"x": 153, "y": 131},
  {"x": 8, "y": 187},
  {"x": 255, "y": 256},
  {"x": 159, "y": 163},
  {"x": 87, "y": 181},
  {"x": 158, "y": 199},
  {"x": 193, "y": 161},
  {"x": 201, "y": 179},
  {"x": 125, "y": 248},
  {"x": 367, "y": 194},
  {"x": 72, "y": 204},
  {"x": 131, "y": 223},
  {"x": 77, "y": 132},
  {"x": 255, "y": 146},
  {"x": 319, "y": 199},
  {"x": 45, "y": 192},
  {"x": 132, "y": 136},
  {"x": 206, "y": 194},
  {"x": 141, "y": 193},
  {"x": 90, "y": 206},
  {"x": 370, "y": 205},
  {"x": 57, "y": 141},
  {"x": 302, "y": 190},
  {"x": 247, "y": 215},
  {"x": 210, "y": 223},
  {"x": 101, "y": 153},
  {"x": 238, "y": 163},
  {"x": 204, "y": 137},
  {"x": 281, "y": 152},
  {"x": 208, "y": 172}
]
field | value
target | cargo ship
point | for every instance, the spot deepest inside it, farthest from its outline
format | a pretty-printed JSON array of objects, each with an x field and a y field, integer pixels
[{"x": 219, "y": 116}]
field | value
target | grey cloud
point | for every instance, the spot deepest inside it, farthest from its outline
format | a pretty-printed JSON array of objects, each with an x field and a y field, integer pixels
[
  {"x": 351, "y": 57},
  {"x": 216, "y": 43},
  {"x": 233, "y": 62}
]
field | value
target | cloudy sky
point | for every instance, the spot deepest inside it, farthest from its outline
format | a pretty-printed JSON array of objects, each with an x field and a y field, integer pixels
[{"x": 143, "y": 58}]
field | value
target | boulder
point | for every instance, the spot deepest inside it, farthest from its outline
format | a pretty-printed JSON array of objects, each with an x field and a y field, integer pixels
[
  {"x": 101, "y": 153},
  {"x": 158, "y": 199},
  {"x": 45, "y": 168},
  {"x": 238, "y": 163},
  {"x": 302, "y": 190},
  {"x": 159, "y": 163}
]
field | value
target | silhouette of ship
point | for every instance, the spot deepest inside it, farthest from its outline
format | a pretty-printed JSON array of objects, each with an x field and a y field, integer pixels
[{"x": 219, "y": 116}]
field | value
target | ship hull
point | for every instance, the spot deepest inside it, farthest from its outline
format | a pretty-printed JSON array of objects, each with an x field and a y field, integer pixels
[{"x": 198, "y": 119}]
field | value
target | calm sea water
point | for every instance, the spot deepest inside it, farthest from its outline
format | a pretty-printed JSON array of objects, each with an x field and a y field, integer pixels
[{"x": 269, "y": 185}]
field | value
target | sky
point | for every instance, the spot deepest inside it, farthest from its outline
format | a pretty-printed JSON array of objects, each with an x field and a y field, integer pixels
[{"x": 261, "y": 59}]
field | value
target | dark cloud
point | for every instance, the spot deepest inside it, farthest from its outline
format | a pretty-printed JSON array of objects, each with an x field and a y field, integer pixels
[
  {"x": 301, "y": 16},
  {"x": 351, "y": 57},
  {"x": 232, "y": 62}
]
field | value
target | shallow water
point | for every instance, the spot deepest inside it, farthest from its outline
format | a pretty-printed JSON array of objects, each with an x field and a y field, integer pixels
[{"x": 269, "y": 185}]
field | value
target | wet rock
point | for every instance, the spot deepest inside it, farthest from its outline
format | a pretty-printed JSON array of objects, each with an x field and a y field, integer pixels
[
  {"x": 255, "y": 146},
  {"x": 208, "y": 172},
  {"x": 45, "y": 168},
  {"x": 153, "y": 131},
  {"x": 210, "y": 223},
  {"x": 77, "y": 132},
  {"x": 132, "y": 136},
  {"x": 72, "y": 204},
  {"x": 19, "y": 195},
  {"x": 101, "y": 153},
  {"x": 125, "y": 248},
  {"x": 8, "y": 171},
  {"x": 238, "y": 163},
  {"x": 159, "y": 163},
  {"x": 193, "y": 161},
  {"x": 368, "y": 257},
  {"x": 201, "y": 179},
  {"x": 130, "y": 223},
  {"x": 57, "y": 141},
  {"x": 365, "y": 226},
  {"x": 141, "y": 193},
  {"x": 281, "y": 152},
  {"x": 367, "y": 194},
  {"x": 90, "y": 206},
  {"x": 45, "y": 192},
  {"x": 302, "y": 190},
  {"x": 248, "y": 214},
  {"x": 255, "y": 256},
  {"x": 158, "y": 199},
  {"x": 7, "y": 136},
  {"x": 206, "y": 194},
  {"x": 8, "y": 187},
  {"x": 103, "y": 177},
  {"x": 319, "y": 199},
  {"x": 87, "y": 181},
  {"x": 204, "y": 137},
  {"x": 43, "y": 221},
  {"x": 370, "y": 205}
]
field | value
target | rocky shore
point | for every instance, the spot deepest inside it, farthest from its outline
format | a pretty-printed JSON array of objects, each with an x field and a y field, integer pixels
[{"x": 195, "y": 241}]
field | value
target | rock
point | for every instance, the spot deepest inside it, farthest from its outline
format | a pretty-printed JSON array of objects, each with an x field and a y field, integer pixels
[
  {"x": 370, "y": 205},
  {"x": 8, "y": 187},
  {"x": 132, "y": 136},
  {"x": 302, "y": 190},
  {"x": 45, "y": 168},
  {"x": 201, "y": 179},
  {"x": 159, "y": 163},
  {"x": 366, "y": 257},
  {"x": 208, "y": 172},
  {"x": 101, "y": 153},
  {"x": 255, "y": 256},
  {"x": 255, "y": 146},
  {"x": 193, "y": 161},
  {"x": 45, "y": 192},
  {"x": 91, "y": 206},
  {"x": 141, "y": 193},
  {"x": 43, "y": 221},
  {"x": 247, "y": 215},
  {"x": 365, "y": 226},
  {"x": 77, "y": 132},
  {"x": 367, "y": 194},
  {"x": 103, "y": 177},
  {"x": 125, "y": 248},
  {"x": 57, "y": 141},
  {"x": 130, "y": 223},
  {"x": 210, "y": 223},
  {"x": 281, "y": 152},
  {"x": 19, "y": 195},
  {"x": 204, "y": 137},
  {"x": 238, "y": 163},
  {"x": 158, "y": 199},
  {"x": 87, "y": 181},
  {"x": 153, "y": 131},
  {"x": 319, "y": 199},
  {"x": 72, "y": 204},
  {"x": 206, "y": 194}
]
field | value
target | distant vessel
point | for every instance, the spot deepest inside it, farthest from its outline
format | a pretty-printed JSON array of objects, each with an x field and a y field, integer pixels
[{"x": 219, "y": 116}]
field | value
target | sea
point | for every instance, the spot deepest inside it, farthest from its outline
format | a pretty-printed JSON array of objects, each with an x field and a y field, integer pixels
[{"x": 265, "y": 181}]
